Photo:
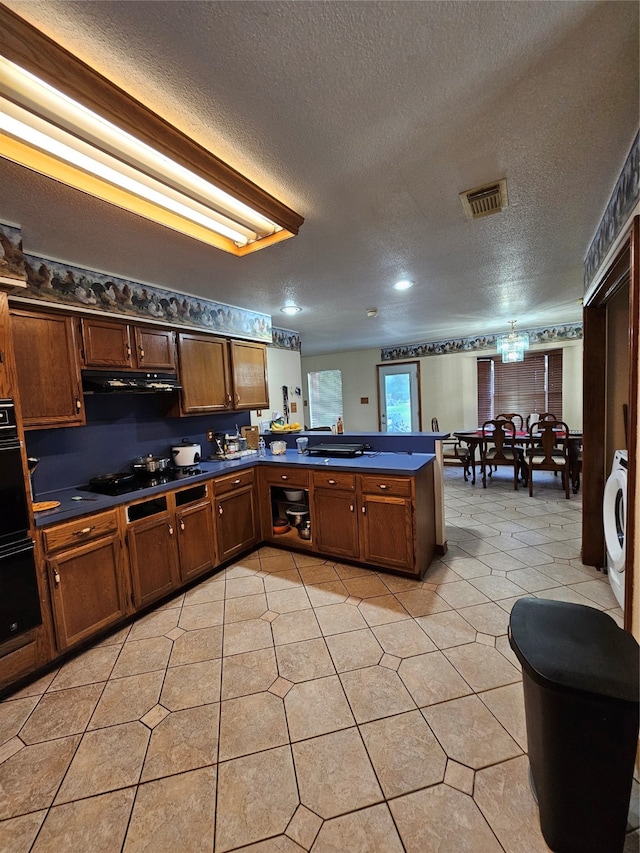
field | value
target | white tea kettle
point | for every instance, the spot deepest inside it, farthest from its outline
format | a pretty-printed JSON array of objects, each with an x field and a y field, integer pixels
[{"x": 186, "y": 454}]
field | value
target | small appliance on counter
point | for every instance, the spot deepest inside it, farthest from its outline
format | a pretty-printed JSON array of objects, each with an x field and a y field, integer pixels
[
  {"x": 226, "y": 446},
  {"x": 337, "y": 451},
  {"x": 186, "y": 454}
]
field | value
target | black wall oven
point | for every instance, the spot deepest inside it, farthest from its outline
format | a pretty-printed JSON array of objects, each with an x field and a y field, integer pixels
[{"x": 19, "y": 597}]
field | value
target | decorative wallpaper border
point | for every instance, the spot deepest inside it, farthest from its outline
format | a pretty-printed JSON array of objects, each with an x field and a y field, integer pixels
[
  {"x": 12, "y": 271},
  {"x": 570, "y": 331},
  {"x": 286, "y": 339},
  {"x": 56, "y": 282},
  {"x": 624, "y": 197}
]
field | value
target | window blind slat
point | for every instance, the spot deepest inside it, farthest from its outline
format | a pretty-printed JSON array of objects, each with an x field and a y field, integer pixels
[
  {"x": 325, "y": 397},
  {"x": 532, "y": 385}
]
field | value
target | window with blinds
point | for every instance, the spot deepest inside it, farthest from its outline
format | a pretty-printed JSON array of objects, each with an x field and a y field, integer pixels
[
  {"x": 532, "y": 385},
  {"x": 325, "y": 397}
]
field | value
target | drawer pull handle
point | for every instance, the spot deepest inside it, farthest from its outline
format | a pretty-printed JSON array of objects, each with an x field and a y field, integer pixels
[
  {"x": 84, "y": 531},
  {"x": 284, "y": 477},
  {"x": 56, "y": 577},
  {"x": 236, "y": 482},
  {"x": 382, "y": 486},
  {"x": 331, "y": 482}
]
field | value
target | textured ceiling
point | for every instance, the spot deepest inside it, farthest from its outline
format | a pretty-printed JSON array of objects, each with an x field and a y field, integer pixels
[{"x": 368, "y": 118}]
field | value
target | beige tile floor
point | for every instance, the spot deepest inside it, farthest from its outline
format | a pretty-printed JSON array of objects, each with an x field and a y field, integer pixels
[{"x": 290, "y": 703}]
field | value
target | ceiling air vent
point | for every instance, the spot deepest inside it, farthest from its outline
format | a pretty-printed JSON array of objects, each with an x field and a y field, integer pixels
[{"x": 485, "y": 200}]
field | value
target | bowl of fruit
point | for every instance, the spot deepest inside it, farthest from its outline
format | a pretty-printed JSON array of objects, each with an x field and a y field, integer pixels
[{"x": 280, "y": 425}]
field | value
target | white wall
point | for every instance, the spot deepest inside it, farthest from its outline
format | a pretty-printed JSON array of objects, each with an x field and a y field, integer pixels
[
  {"x": 283, "y": 368},
  {"x": 448, "y": 387},
  {"x": 358, "y": 380}
]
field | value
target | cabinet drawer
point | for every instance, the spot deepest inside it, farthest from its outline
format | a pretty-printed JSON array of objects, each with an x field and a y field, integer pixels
[
  {"x": 334, "y": 480},
  {"x": 384, "y": 485},
  {"x": 82, "y": 530},
  {"x": 233, "y": 481},
  {"x": 286, "y": 477}
]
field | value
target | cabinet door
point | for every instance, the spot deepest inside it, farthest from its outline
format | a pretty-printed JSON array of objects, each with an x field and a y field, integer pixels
[
  {"x": 335, "y": 523},
  {"x": 8, "y": 380},
  {"x": 249, "y": 368},
  {"x": 86, "y": 589},
  {"x": 153, "y": 558},
  {"x": 48, "y": 370},
  {"x": 195, "y": 539},
  {"x": 235, "y": 522},
  {"x": 155, "y": 348},
  {"x": 106, "y": 344},
  {"x": 204, "y": 373},
  {"x": 387, "y": 531}
]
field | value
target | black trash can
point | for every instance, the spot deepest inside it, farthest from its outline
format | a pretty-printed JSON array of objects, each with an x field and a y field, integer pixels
[{"x": 580, "y": 675}]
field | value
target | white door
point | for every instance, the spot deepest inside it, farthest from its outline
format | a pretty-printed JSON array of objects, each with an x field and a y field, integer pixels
[{"x": 399, "y": 397}]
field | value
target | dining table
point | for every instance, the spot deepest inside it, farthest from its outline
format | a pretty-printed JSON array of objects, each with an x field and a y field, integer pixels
[{"x": 475, "y": 438}]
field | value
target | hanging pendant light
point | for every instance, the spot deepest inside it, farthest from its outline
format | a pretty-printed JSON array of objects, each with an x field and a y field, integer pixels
[{"x": 512, "y": 346}]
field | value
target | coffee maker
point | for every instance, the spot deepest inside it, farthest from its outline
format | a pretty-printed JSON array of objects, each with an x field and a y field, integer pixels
[{"x": 218, "y": 445}]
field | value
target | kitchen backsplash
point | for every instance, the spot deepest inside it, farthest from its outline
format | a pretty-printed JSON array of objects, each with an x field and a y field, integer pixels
[{"x": 119, "y": 428}]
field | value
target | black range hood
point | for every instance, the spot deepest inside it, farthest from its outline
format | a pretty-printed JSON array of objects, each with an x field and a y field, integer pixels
[{"x": 128, "y": 382}]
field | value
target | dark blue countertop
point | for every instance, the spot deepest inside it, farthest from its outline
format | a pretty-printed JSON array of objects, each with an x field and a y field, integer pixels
[{"x": 368, "y": 463}]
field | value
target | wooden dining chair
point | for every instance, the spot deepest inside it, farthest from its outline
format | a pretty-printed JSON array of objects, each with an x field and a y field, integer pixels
[
  {"x": 549, "y": 451},
  {"x": 499, "y": 448},
  {"x": 453, "y": 451},
  {"x": 512, "y": 416},
  {"x": 543, "y": 416}
]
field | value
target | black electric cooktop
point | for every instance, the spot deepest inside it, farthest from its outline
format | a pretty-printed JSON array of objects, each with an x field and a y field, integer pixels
[{"x": 123, "y": 483}]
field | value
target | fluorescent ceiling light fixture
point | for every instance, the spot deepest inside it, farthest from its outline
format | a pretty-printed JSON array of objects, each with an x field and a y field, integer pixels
[
  {"x": 291, "y": 309},
  {"x": 169, "y": 178},
  {"x": 403, "y": 285},
  {"x": 512, "y": 346}
]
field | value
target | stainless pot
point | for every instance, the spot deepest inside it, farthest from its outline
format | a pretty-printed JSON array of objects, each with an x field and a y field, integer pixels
[
  {"x": 186, "y": 454},
  {"x": 304, "y": 531},
  {"x": 150, "y": 464}
]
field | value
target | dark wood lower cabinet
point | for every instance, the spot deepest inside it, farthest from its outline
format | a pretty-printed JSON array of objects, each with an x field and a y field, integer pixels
[
  {"x": 385, "y": 522},
  {"x": 387, "y": 531},
  {"x": 195, "y": 539},
  {"x": 335, "y": 523},
  {"x": 87, "y": 590},
  {"x": 153, "y": 558},
  {"x": 236, "y": 526}
]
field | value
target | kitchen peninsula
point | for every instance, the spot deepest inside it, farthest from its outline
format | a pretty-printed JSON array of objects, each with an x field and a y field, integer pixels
[{"x": 106, "y": 558}]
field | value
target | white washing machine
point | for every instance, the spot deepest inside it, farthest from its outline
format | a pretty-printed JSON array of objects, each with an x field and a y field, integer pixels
[{"x": 614, "y": 515}]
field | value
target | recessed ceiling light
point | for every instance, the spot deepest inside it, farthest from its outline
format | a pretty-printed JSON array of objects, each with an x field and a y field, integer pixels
[
  {"x": 291, "y": 309},
  {"x": 403, "y": 285}
]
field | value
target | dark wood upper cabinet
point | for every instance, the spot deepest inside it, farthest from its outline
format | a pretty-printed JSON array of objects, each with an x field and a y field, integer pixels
[
  {"x": 155, "y": 348},
  {"x": 48, "y": 369},
  {"x": 204, "y": 373},
  {"x": 218, "y": 375},
  {"x": 122, "y": 345},
  {"x": 249, "y": 369}
]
